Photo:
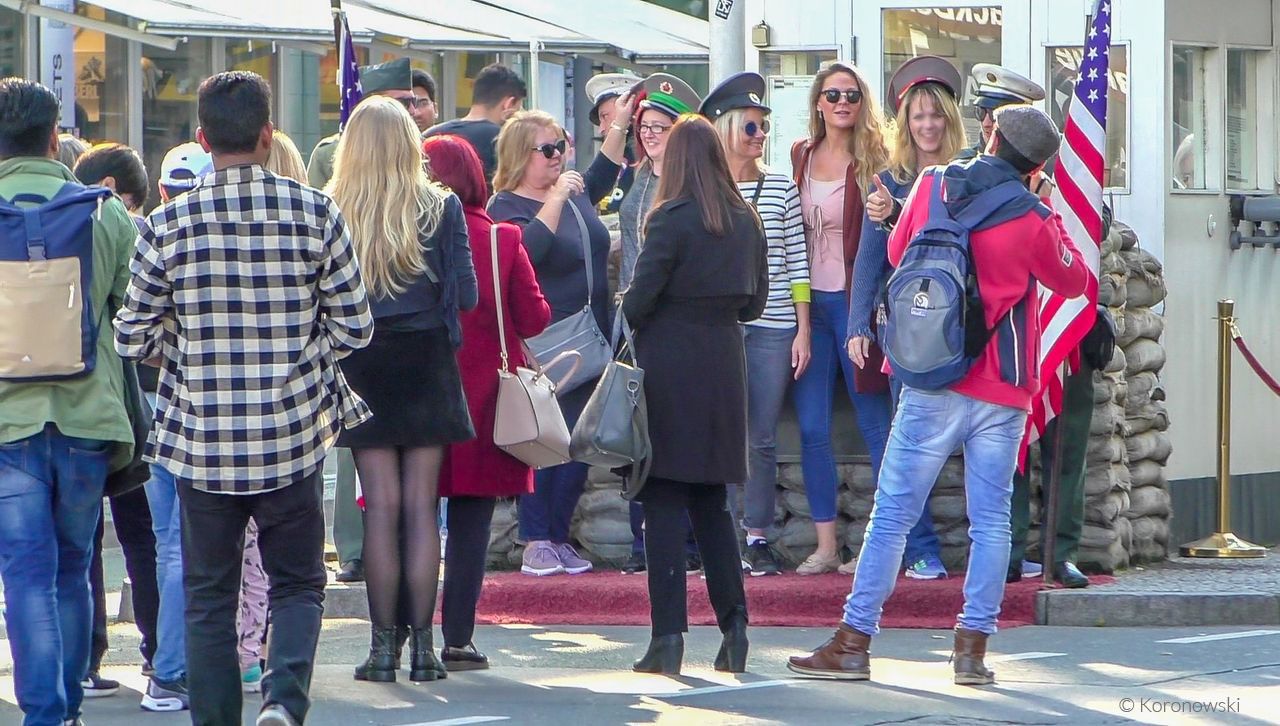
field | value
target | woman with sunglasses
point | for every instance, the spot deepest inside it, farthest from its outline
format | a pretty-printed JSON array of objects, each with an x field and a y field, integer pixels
[
  {"x": 833, "y": 169},
  {"x": 410, "y": 238},
  {"x": 536, "y": 192},
  {"x": 777, "y": 344},
  {"x": 922, "y": 93},
  {"x": 703, "y": 270}
]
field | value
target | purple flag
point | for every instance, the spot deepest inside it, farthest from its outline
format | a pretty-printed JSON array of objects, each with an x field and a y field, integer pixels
[{"x": 348, "y": 72}]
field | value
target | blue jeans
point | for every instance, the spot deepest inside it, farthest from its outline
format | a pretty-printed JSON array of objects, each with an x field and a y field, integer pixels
[
  {"x": 547, "y": 513},
  {"x": 928, "y": 428},
  {"x": 828, "y": 320},
  {"x": 768, "y": 376},
  {"x": 166, "y": 521},
  {"x": 922, "y": 540},
  {"x": 50, "y": 500}
]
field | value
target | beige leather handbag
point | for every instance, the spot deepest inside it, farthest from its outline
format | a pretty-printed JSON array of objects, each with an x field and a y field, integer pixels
[{"x": 528, "y": 423}]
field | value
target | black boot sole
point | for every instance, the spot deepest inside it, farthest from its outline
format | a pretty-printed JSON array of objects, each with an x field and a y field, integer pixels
[
  {"x": 376, "y": 676},
  {"x": 665, "y": 658},
  {"x": 428, "y": 674}
]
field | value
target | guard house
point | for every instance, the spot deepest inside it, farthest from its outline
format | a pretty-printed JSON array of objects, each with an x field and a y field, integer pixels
[{"x": 1191, "y": 128}]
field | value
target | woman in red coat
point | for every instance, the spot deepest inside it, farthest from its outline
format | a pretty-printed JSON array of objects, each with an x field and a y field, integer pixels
[{"x": 476, "y": 472}]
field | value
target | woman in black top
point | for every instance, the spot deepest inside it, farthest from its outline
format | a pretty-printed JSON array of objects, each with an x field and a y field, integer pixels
[
  {"x": 410, "y": 237},
  {"x": 535, "y": 191},
  {"x": 703, "y": 270}
]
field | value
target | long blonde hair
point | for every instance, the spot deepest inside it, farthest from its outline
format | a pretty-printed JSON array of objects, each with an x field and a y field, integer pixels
[
  {"x": 285, "y": 160},
  {"x": 904, "y": 163},
  {"x": 869, "y": 143},
  {"x": 730, "y": 127},
  {"x": 515, "y": 142},
  {"x": 380, "y": 182}
]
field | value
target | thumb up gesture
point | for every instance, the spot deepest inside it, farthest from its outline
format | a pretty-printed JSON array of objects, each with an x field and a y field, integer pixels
[{"x": 879, "y": 201}]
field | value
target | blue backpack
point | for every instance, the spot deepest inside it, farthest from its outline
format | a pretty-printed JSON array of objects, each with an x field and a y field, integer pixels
[
  {"x": 48, "y": 330},
  {"x": 935, "y": 327}
]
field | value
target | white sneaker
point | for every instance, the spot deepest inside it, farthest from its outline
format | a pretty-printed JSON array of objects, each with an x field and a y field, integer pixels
[
  {"x": 1032, "y": 569},
  {"x": 273, "y": 714},
  {"x": 166, "y": 696}
]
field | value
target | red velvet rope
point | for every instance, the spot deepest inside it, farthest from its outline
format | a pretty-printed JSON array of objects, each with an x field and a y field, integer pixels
[{"x": 1256, "y": 365}]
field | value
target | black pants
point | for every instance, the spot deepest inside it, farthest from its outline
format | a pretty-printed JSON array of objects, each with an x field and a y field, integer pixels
[
  {"x": 469, "y": 521},
  {"x": 667, "y": 505},
  {"x": 291, "y": 538},
  {"x": 131, "y": 516}
]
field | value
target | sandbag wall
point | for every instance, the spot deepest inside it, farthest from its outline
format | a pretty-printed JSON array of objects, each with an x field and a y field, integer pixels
[{"x": 1127, "y": 504}]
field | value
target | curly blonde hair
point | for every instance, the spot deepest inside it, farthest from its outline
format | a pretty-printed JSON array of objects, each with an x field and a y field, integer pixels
[
  {"x": 904, "y": 164},
  {"x": 381, "y": 185},
  {"x": 869, "y": 144}
]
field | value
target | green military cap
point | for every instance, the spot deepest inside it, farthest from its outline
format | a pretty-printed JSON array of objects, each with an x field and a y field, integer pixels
[
  {"x": 394, "y": 75},
  {"x": 670, "y": 95}
]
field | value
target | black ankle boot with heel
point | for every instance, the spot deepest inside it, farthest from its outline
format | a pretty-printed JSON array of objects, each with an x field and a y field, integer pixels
[
  {"x": 423, "y": 664},
  {"x": 665, "y": 654},
  {"x": 380, "y": 666},
  {"x": 732, "y": 657}
]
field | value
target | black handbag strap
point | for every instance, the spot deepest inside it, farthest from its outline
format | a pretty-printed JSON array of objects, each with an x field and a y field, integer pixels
[
  {"x": 586, "y": 248},
  {"x": 755, "y": 197}
]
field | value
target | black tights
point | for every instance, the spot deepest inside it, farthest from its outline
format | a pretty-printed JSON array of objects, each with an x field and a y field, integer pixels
[{"x": 401, "y": 535}]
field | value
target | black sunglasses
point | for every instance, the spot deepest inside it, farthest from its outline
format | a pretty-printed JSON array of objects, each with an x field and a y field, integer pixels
[
  {"x": 550, "y": 150},
  {"x": 751, "y": 129},
  {"x": 411, "y": 102},
  {"x": 853, "y": 95},
  {"x": 980, "y": 113}
]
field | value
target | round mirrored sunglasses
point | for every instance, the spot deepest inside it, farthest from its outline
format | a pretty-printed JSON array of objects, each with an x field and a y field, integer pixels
[{"x": 752, "y": 128}]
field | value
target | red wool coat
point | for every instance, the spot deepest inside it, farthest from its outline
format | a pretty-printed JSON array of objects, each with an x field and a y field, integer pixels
[{"x": 478, "y": 468}]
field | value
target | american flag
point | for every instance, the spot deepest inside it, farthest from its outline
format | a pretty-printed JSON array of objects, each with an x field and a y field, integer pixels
[
  {"x": 348, "y": 67},
  {"x": 1078, "y": 198}
]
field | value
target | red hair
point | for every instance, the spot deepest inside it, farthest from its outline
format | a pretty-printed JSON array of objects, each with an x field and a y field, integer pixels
[{"x": 454, "y": 163}]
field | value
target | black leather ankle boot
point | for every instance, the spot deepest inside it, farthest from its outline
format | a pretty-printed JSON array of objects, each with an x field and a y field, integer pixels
[
  {"x": 665, "y": 654},
  {"x": 733, "y": 649},
  {"x": 380, "y": 666},
  {"x": 423, "y": 664}
]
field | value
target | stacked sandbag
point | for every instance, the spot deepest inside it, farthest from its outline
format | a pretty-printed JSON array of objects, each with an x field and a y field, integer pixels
[
  {"x": 1147, "y": 441},
  {"x": 602, "y": 521}
]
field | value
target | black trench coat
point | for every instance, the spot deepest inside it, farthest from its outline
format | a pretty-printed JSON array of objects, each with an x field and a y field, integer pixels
[{"x": 690, "y": 293}]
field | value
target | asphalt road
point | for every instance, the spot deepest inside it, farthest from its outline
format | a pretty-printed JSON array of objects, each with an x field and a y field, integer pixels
[{"x": 565, "y": 676}]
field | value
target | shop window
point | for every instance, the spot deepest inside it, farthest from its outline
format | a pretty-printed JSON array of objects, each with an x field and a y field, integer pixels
[
  {"x": 1242, "y": 119},
  {"x": 1062, "y": 66},
  {"x": 258, "y": 56},
  {"x": 101, "y": 73},
  {"x": 964, "y": 36},
  {"x": 11, "y": 22},
  {"x": 469, "y": 65},
  {"x": 170, "y": 80},
  {"x": 1187, "y": 132}
]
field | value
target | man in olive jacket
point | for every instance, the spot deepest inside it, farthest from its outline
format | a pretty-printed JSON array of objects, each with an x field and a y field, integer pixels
[{"x": 58, "y": 440}]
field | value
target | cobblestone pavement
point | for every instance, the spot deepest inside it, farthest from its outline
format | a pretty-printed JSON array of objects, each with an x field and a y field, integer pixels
[{"x": 1189, "y": 574}]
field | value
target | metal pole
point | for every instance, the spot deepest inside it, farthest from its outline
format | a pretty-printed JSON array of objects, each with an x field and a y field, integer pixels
[
  {"x": 728, "y": 38},
  {"x": 1050, "y": 483},
  {"x": 534, "y": 47},
  {"x": 1224, "y": 543}
]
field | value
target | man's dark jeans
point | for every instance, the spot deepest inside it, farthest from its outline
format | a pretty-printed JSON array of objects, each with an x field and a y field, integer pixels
[
  {"x": 131, "y": 516},
  {"x": 291, "y": 537}
]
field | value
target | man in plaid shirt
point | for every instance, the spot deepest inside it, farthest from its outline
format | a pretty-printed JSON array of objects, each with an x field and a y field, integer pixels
[{"x": 247, "y": 291}]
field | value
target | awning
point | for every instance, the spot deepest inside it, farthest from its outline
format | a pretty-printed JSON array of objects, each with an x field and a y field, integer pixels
[
  {"x": 639, "y": 31},
  {"x": 33, "y": 7},
  {"x": 493, "y": 27}
]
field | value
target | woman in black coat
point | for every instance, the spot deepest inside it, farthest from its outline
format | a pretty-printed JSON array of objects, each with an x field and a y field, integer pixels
[{"x": 703, "y": 271}]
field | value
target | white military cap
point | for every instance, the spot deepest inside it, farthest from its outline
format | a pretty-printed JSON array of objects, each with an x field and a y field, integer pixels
[
  {"x": 605, "y": 86},
  {"x": 996, "y": 86}
]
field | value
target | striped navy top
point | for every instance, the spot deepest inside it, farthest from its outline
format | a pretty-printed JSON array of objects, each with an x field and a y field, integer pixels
[{"x": 779, "y": 208}]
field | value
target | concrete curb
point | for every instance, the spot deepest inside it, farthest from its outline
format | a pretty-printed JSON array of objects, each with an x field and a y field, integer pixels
[{"x": 1100, "y": 608}]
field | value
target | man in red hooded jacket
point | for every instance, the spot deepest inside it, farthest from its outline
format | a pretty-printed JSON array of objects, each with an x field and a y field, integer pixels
[{"x": 985, "y": 412}]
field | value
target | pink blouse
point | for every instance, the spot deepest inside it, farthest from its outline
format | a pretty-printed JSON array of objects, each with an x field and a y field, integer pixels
[{"x": 822, "y": 205}]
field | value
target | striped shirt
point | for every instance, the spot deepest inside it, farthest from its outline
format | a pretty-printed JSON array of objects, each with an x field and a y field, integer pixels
[{"x": 779, "y": 208}]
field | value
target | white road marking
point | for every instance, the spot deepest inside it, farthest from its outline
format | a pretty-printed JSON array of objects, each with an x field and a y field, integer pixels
[
  {"x": 1023, "y": 656},
  {"x": 462, "y": 721},
  {"x": 722, "y": 689},
  {"x": 1221, "y": 636}
]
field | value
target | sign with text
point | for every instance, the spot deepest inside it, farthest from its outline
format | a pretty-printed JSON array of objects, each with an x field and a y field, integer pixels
[{"x": 57, "y": 60}]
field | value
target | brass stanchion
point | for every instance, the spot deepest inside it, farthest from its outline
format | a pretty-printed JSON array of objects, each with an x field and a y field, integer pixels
[{"x": 1223, "y": 543}]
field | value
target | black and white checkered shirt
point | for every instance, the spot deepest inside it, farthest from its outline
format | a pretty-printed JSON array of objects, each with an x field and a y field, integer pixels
[{"x": 248, "y": 290}]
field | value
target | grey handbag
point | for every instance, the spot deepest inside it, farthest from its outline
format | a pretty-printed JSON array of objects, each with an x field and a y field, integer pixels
[
  {"x": 578, "y": 332},
  {"x": 613, "y": 430}
]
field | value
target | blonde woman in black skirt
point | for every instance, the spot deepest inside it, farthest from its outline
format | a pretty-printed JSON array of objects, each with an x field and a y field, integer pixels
[{"x": 410, "y": 238}]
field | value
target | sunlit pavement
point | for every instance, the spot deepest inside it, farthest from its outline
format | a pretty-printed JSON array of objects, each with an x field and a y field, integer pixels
[{"x": 577, "y": 675}]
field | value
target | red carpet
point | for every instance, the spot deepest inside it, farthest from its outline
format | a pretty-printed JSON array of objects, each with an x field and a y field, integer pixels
[{"x": 611, "y": 598}]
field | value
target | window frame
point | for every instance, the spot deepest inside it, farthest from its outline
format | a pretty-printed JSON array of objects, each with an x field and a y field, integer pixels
[
  {"x": 1214, "y": 165},
  {"x": 1127, "y": 189},
  {"x": 1264, "y": 101}
]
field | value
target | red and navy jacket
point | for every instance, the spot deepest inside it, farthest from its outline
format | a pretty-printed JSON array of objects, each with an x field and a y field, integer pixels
[{"x": 1010, "y": 258}]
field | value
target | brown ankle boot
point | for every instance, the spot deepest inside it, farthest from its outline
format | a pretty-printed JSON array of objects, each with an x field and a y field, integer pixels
[
  {"x": 846, "y": 657},
  {"x": 970, "y": 649}
]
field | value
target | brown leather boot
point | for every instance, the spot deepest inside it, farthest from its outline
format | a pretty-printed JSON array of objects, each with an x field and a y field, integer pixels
[
  {"x": 970, "y": 648},
  {"x": 846, "y": 657}
]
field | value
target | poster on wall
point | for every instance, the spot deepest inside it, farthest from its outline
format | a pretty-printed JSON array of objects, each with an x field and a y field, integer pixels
[
  {"x": 57, "y": 60},
  {"x": 789, "y": 100}
]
